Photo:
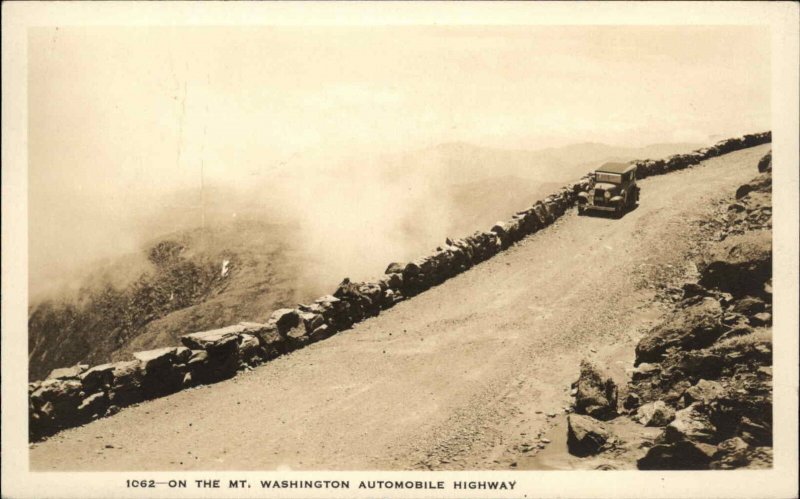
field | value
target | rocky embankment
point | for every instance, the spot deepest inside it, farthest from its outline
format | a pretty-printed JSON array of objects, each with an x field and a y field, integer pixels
[
  {"x": 703, "y": 376},
  {"x": 76, "y": 395}
]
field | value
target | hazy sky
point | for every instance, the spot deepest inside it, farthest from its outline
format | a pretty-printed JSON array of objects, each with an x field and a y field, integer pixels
[{"x": 119, "y": 116}]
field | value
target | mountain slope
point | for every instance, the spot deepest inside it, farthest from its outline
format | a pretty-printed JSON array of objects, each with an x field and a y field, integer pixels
[{"x": 107, "y": 320}]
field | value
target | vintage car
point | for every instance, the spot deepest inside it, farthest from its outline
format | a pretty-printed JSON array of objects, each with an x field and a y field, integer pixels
[{"x": 613, "y": 189}]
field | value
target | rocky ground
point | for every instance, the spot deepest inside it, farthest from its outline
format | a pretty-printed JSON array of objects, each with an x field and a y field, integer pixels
[{"x": 700, "y": 393}]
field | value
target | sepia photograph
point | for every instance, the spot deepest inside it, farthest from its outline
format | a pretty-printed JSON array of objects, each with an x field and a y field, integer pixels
[{"x": 400, "y": 256}]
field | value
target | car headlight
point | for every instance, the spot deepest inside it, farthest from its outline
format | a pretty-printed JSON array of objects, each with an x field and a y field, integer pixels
[{"x": 607, "y": 195}]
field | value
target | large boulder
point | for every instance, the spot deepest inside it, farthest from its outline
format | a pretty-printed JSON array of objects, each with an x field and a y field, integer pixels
[
  {"x": 758, "y": 432},
  {"x": 411, "y": 269},
  {"x": 693, "y": 327},
  {"x": 682, "y": 455},
  {"x": 357, "y": 306},
  {"x": 740, "y": 265},
  {"x": 596, "y": 393},
  {"x": 645, "y": 370},
  {"x": 224, "y": 339},
  {"x": 731, "y": 453},
  {"x": 126, "y": 387},
  {"x": 222, "y": 348},
  {"x": 94, "y": 406},
  {"x": 585, "y": 435},
  {"x": 98, "y": 378},
  {"x": 322, "y": 332},
  {"x": 160, "y": 357},
  {"x": 691, "y": 289},
  {"x": 55, "y": 405},
  {"x": 704, "y": 391},
  {"x": 198, "y": 368},
  {"x": 691, "y": 423},
  {"x": 762, "y": 183},
  {"x": 655, "y": 414},
  {"x": 311, "y": 320},
  {"x": 72, "y": 372},
  {"x": 285, "y": 320},
  {"x": 394, "y": 281},
  {"x": 372, "y": 293},
  {"x": 249, "y": 349},
  {"x": 765, "y": 163},
  {"x": 501, "y": 229},
  {"x": 395, "y": 268},
  {"x": 542, "y": 215},
  {"x": 749, "y": 306},
  {"x": 271, "y": 342},
  {"x": 331, "y": 308},
  {"x": 160, "y": 371}
]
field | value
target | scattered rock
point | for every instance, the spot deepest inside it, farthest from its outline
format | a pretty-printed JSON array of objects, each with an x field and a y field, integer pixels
[
  {"x": 585, "y": 435},
  {"x": 736, "y": 330},
  {"x": 126, "y": 387},
  {"x": 645, "y": 370},
  {"x": 632, "y": 401},
  {"x": 285, "y": 319},
  {"x": 736, "y": 207},
  {"x": 731, "y": 453},
  {"x": 692, "y": 424},
  {"x": 94, "y": 405},
  {"x": 748, "y": 305},
  {"x": 395, "y": 268},
  {"x": 197, "y": 357},
  {"x": 68, "y": 372},
  {"x": 249, "y": 349},
  {"x": 691, "y": 289},
  {"x": 765, "y": 163},
  {"x": 704, "y": 391},
  {"x": 695, "y": 365},
  {"x": 762, "y": 182},
  {"x": 322, "y": 332},
  {"x": 97, "y": 378},
  {"x": 655, "y": 414},
  {"x": 761, "y": 319},
  {"x": 740, "y": 265},
  {"x": 759, "y": 458},
  {"x": 218, "y": 340},
  {"x": 681, "y": 455},
  {"x": 155, "y": 359},
  {"x": 596, "y": 393},
  {"x": 695, "y": 326},
  {"x": 755, "y": 433}
]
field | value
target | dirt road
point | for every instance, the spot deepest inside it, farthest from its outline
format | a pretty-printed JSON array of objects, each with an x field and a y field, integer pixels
[{"x": 456, "y": 378}]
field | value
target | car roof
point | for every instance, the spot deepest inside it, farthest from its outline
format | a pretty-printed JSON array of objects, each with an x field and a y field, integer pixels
[{"x": 615, "y": 168}]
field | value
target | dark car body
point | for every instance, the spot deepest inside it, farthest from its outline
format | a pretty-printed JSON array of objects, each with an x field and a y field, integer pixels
[{"x": 613, "y": 189}]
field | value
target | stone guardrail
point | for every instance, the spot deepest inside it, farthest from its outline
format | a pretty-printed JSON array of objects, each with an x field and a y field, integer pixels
[{"x": 75, "y": 395}]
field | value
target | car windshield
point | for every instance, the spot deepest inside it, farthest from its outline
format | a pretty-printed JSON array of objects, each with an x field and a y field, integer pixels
[{"x": 612, "y": 178}]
